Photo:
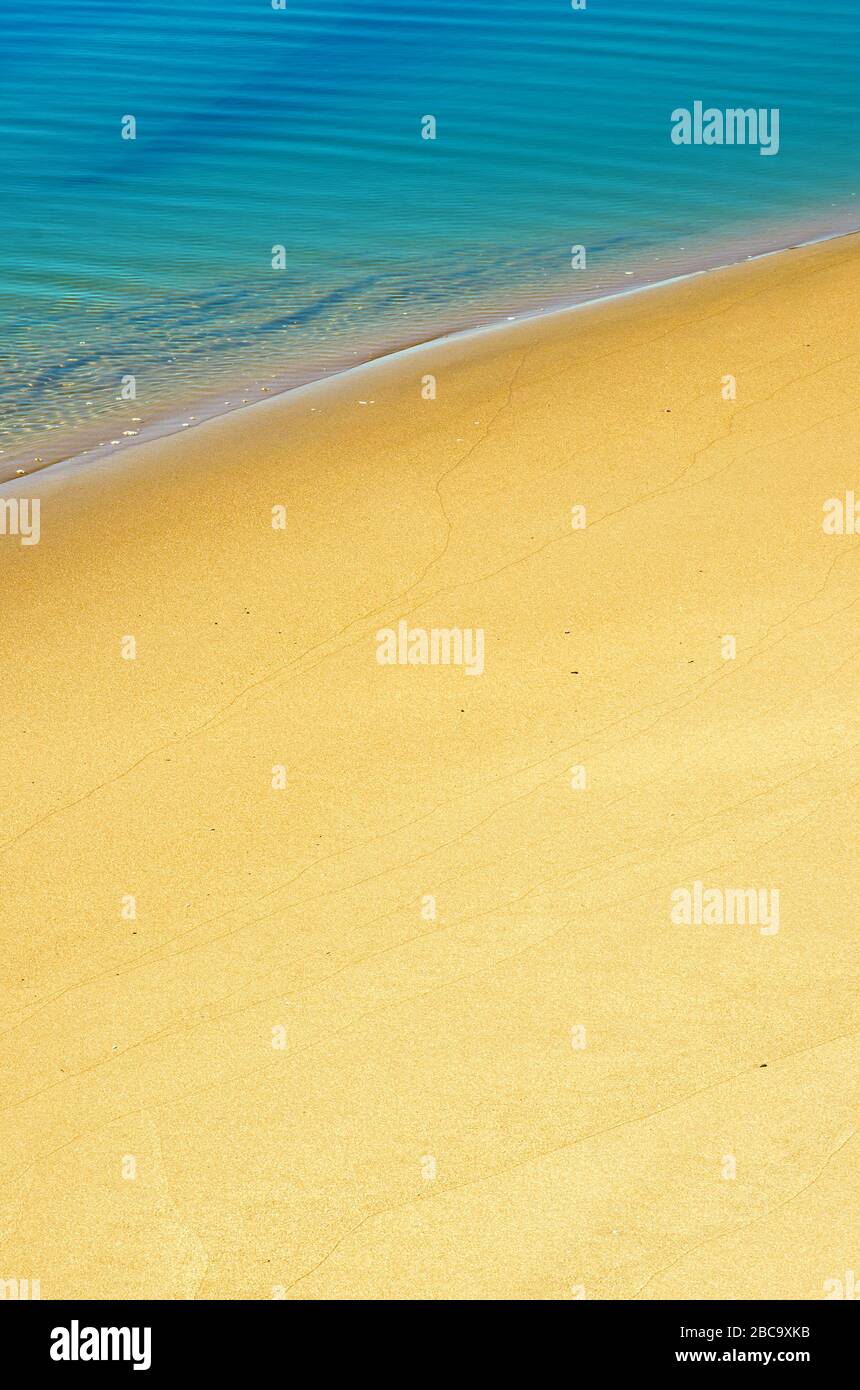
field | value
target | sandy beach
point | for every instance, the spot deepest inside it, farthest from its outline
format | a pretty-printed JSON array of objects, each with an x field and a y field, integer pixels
[{"x": 328, "y": 977}]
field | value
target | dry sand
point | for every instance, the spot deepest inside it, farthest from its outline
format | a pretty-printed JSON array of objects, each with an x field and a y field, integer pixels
[{"x": 415, "y": 1046}]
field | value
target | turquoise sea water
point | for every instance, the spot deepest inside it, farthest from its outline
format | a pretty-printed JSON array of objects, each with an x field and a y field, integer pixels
[{"x": 301, "y": 127}]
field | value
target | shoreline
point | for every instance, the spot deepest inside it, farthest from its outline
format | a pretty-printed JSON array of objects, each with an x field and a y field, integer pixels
[{"x": 172, "y": 426}]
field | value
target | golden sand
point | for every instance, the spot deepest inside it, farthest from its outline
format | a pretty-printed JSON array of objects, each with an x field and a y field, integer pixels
[{"x": 432, "y": 1126}]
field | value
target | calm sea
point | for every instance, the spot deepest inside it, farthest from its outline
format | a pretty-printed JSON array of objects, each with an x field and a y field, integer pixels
[{"x": 302, "y": 128}]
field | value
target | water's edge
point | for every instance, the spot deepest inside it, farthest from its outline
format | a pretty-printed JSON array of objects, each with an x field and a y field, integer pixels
[{"x": 173, "y": 425}]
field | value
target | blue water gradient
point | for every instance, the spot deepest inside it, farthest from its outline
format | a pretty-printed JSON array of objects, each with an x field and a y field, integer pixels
[{"x": 302, "y": 127}]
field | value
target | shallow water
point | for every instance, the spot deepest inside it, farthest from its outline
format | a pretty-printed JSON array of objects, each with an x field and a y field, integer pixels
[{"x": 302, "y": 128}]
